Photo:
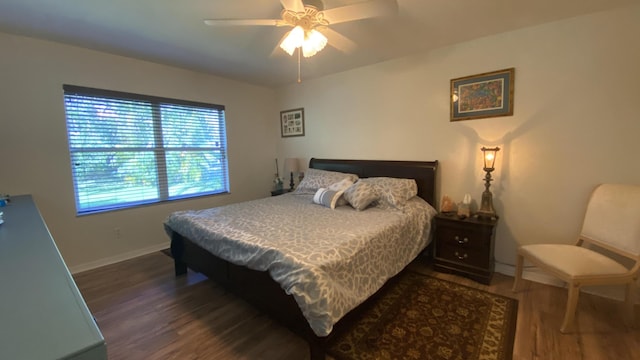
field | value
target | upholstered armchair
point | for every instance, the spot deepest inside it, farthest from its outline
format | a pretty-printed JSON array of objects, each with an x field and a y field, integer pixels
[{"x": 612, "y": 223}]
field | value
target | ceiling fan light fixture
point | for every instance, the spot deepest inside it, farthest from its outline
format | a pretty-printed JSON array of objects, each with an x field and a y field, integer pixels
[
  {"x": 313, "y": 43},
  {"x": 294, "y": 40}
]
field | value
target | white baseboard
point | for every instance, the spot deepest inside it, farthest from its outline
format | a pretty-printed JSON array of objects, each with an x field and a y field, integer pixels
[
  {"x": 114, "y": 259},
  {"x": 535, "y": 274}
]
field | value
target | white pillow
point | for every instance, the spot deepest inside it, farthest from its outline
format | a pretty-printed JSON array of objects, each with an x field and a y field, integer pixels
[{"x": 326, "y": 197}]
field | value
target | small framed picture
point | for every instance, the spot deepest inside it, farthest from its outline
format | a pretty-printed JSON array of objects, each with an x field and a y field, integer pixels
[
  {"x": 483, "y": 95},
  {"x": 292, "y": 122}
]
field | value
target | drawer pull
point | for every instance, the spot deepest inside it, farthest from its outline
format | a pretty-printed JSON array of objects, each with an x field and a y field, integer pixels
[
  {"x": 457, "y": 254},
  {"x": 463, "y": 241}
]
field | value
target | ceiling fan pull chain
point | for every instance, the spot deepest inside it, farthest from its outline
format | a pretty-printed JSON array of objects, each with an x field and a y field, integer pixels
[{"x": 299, "y": 65}]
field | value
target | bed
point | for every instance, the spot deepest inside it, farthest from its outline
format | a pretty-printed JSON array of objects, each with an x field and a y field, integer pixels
[{"x": 259, "y": 252}]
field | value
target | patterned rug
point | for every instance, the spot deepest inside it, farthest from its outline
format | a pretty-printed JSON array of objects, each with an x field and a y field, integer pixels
[{"x": 421, "y": 317}]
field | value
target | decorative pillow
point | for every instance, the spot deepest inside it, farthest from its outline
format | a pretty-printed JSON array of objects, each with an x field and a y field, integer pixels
[
  {"x": 393, "y": 192},
  {"x": 315, "y": 179},
  {"x": 360, "y": 195},
  {"x": 341, "y": 186},
  {"x": 326, "y": 197}
]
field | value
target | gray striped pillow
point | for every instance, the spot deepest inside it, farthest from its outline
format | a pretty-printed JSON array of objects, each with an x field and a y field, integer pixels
[{"x": 326, "y": 197}]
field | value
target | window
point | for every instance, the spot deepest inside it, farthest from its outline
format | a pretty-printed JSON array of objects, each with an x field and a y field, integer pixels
[{"x": 129, "y": 149}]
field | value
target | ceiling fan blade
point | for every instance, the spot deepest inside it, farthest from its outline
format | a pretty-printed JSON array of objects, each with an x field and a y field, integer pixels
[
  {"x": 243, "y": 22},
  {"x": 338, "y": 40},
  {"x": 293, "y": 5},
  {"x": 363, "y": 10}
]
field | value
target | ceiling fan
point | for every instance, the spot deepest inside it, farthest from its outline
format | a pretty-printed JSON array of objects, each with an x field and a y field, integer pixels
[{"x": 310, "y": 23}]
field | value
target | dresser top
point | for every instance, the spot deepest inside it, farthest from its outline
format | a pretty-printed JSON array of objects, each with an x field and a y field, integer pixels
[{"x": 42, "y": 314}]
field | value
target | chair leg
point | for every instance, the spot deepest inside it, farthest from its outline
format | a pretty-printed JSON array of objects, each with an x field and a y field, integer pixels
[
  {"x": 572, "y": 302},
  {"x": 629, "y": 299},
  {"x": 518, "y": 275}
]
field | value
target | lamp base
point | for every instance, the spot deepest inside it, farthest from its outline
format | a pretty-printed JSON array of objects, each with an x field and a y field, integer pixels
[{"x": 486, "y": 210}]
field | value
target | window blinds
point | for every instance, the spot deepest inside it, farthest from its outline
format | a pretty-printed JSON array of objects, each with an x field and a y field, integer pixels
[{"x": 129, "y": 149}]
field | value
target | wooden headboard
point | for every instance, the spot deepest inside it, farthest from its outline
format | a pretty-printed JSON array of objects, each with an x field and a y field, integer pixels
[{"x": 424, "y": 172}]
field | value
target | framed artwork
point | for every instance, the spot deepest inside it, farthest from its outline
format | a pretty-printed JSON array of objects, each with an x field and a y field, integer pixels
[
  {"x": 292, "y": 122},
  {"x": 483, "y": 95}
]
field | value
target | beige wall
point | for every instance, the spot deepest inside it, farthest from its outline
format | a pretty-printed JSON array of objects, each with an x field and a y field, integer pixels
[
  {"x": 35, "y": 157},
  {"x": 575, "y": 124}
]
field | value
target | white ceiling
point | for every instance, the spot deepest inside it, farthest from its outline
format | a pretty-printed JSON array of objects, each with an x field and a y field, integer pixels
[{"x": 172, "y": 31}]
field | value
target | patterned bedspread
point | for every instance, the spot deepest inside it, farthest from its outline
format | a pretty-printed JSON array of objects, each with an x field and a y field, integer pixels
[{"x": 329, "y": 260}]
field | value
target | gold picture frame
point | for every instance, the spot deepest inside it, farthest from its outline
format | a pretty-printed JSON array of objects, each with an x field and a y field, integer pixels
[{"x": 482, "y": 96}]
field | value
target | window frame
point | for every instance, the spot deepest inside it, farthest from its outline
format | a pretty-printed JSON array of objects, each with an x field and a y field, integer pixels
[{"x": 159, "y": 148}]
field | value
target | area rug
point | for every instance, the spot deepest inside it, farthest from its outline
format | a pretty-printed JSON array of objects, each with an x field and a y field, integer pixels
[{"x": 421, "y": 317}]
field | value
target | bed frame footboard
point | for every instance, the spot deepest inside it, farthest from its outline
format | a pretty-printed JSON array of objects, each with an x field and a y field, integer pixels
[{"x": 255, "y": 287}]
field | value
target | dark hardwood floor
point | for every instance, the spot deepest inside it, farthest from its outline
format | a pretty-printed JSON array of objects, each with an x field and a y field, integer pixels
[{"x": 144, "y": 312}]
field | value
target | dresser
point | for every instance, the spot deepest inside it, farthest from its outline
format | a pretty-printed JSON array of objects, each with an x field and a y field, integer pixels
[
  {"x": 42, "y": 314},
  {"x": 464, "y": 246}
]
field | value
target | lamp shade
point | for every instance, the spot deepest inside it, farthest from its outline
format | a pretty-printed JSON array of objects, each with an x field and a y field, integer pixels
[
  {"x": 489, "y": 155},
  {"x": 291, "y": 165}
]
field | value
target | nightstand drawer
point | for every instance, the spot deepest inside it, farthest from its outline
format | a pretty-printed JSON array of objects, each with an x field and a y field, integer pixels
[
  {"x": 463, "y": 238},
  {"x": 471, "y": 256}
]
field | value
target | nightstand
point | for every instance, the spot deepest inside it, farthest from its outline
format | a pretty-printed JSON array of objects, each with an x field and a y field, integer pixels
[
  {"x": 464, "y": 246},
  {"x": 279, "y": 192}
]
